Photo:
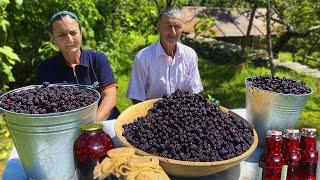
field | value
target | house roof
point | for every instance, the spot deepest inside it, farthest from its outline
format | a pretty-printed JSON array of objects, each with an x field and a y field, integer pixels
[{"x": 228, "y": 22}]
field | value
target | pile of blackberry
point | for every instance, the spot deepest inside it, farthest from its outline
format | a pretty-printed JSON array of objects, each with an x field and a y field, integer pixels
[
  {"x": 184, "y": 126},
  {"x": 48, "y": 99},
  {"x": 279, "y": 85}
]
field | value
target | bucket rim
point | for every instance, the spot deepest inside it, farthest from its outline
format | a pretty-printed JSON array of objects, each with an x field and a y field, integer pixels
[
  {"x": 296, "y": 95},
  {"x": 50, "y": 114}
]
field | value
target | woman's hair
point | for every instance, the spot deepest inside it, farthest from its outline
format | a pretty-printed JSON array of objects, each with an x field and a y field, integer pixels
[{"x": 58, "y": 15}]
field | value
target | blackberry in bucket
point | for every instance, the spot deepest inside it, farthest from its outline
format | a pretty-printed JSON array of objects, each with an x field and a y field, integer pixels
[
  {"x": 274, "y": 103},
  {"x": 44, "y": 122},
  {"x": 48, "y": 99}
]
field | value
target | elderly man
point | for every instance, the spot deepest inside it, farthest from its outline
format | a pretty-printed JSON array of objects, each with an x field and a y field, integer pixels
[{"x": 165, "y": 66}]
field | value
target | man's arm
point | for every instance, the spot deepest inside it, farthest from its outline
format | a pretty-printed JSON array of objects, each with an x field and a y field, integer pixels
[
  {"x": 108, "y": 102},
  {"x": 138, "y": 82},
  {"x": 195, "y": 83}
]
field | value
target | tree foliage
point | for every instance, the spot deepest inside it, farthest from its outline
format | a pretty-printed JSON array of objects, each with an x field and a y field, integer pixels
[
  {"x": 300, "y": 20},
  {"x": 8, "y": 57},
  {"x": 301, "y": 24},
  {"x": 105, "y": 26}
]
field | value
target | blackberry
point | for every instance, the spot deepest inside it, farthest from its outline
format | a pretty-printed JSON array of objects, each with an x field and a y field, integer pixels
[
  {"x": 279, "y": 85},
  {"x": 185, "y": 126},
  {"x": 48, "y": 99}
]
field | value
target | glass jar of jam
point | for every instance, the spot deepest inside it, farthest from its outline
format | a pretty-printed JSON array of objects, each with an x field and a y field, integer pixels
[
  {"x": 309, "y": 154},
  {"x": 90, "y": 148},
  {"x": 291, "y": 153},
  {"x": 273, "y": 160}
]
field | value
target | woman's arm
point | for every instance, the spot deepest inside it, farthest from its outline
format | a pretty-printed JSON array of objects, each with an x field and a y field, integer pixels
[{"x": 109, "y": 101}]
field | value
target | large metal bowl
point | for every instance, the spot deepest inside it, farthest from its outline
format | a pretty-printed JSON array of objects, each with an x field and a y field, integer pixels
[
  {"x": 176, "y": 167},
  {"x": 44, "y": 142}
]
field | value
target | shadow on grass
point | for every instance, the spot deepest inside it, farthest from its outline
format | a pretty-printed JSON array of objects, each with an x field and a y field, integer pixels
[{"x": 216, "y": 74}]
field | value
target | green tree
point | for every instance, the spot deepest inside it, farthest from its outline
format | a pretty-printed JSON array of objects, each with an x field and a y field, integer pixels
[
  {"x": 300, "y": 19},
  {"x": 8, "y": 58}
]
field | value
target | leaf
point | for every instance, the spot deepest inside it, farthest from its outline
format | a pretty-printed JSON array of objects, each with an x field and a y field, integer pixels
[
  {"x": 7, "y": 134},
  {"x": 4, "y": 155},
  {"x": 4, "y": 2},
  {"x": 4, "y": 24},
  {"x": 24, "y": 42},
  {"x": 19, "y": 2},
  {"x": 7, "y": 70},
  {"x": 7, "y": 51}
]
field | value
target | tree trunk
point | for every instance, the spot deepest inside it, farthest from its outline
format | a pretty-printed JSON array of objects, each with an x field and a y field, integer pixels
[
  {"x": 253, "y": 12},
  {"x": 248, "y": 37},
  {"x": 269, "y": 41}
]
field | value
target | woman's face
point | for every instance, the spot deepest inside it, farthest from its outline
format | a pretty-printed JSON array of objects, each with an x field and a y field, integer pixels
[{"x": 66, "y": 34}]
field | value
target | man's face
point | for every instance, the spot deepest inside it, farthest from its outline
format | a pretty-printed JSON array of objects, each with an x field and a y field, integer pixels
[
  {"x": 66, "y": 34},
  {"x": 170, "y": 29}
]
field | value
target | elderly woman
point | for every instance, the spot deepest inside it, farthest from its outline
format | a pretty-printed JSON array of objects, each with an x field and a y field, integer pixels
[
  {"x": 167, "y": 65},
  {"x": 74, "y": 65}
]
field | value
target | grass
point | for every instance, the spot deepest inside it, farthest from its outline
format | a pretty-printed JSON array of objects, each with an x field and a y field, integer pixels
[
  {"x": 5, "y": 145},
  {"x": 287, "y": 56},
  {"x": 123, "y": 101}
]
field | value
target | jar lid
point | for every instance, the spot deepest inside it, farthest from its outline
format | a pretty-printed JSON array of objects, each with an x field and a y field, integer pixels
[
  {"x": 90, "y": 127},
  {"x": 291, "y": 133},
  {"x": 309, "y": 129},
  {"x": 309, "y": 132},
  {"x": 274, "y": 133}
]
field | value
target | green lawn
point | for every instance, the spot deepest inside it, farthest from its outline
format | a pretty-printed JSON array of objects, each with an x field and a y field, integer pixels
[
  {"x": 5, "y": 145},
  {"x": 310, "y": 61},
  {"x": 123, "y": 101},
  {"x": 285, "y": 56}
]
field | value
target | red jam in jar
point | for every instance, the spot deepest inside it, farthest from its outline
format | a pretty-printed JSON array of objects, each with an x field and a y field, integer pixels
[
  {"x": 291, "y": 153},
  {"x": 309, "y": 154},
  {"x": 90, "y": 148},
  {"x": 273, "y": 160}
]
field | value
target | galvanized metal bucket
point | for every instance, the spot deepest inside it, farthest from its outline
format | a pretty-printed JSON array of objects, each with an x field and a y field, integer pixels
[
  {"x": 44, "y": 142},
  {"x": 268, "y": 110}
]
